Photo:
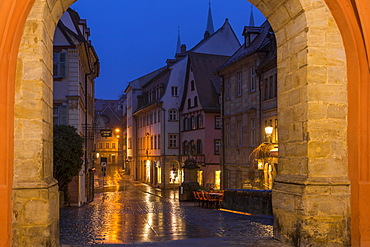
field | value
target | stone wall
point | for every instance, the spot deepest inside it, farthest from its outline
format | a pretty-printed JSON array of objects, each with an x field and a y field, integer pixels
[{"x": 250, "y": 201}]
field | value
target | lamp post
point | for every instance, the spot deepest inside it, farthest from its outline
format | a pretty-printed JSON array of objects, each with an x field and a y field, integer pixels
[
  {"x": 266, "y": 167},
  {"x": 117, "y": 132}
]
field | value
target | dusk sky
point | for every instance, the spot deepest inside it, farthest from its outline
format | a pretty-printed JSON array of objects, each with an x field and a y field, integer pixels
[{"x": 135, "y": 37}]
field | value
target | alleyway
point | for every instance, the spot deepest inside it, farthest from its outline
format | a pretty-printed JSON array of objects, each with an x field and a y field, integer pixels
[{"x": 132, "y": 213}]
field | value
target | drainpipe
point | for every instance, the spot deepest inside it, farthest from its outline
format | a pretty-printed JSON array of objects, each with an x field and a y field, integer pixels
[
  {"x": 90, "y": 196},
  {"x": 223, "y": 170}
]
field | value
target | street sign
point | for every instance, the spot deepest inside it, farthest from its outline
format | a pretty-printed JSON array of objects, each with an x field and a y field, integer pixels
[
  {"x": 106, "y": 132},
  {"x": 103, "y": 161},
  {"x": 103, "y": 169}
]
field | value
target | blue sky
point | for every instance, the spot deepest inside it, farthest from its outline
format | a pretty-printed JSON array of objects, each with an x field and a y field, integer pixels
[{"x": 135, "y": 37}]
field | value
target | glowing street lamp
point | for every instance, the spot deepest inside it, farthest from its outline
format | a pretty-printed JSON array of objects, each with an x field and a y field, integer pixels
[{"x": 268, "y": 132}]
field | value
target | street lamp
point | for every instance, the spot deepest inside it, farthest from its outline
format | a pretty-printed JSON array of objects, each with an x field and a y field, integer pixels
[{"x": 268, "y": 132}]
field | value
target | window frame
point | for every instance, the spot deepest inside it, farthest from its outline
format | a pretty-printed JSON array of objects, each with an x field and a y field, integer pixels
[
  {"x": 217, "y": 146},
  {"x": 173, "y": 139}
]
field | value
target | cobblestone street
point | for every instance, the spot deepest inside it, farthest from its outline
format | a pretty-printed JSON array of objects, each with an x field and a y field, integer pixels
[{"x": 132, "y": 213}]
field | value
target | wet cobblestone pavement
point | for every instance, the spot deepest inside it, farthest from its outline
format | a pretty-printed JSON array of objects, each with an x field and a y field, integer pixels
[{"x": 134, "y": 214}]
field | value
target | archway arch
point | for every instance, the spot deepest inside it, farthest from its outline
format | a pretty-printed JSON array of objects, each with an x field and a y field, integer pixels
[{"x": 312, "y": 66}]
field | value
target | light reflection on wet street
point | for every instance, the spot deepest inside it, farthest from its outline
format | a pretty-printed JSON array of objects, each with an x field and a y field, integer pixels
[{"x": 132, "y": 212}]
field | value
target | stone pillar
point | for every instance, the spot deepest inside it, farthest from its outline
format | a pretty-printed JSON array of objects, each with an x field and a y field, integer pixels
[
  {"x": 35, "y": 191},
  {"x": 311, "y": 196}
]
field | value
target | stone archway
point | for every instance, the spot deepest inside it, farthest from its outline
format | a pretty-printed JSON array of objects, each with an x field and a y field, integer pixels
[
  {"x": 36, "y": 203},
  {"x": 311, "y": 197},
  {"x": 313, "y": 119}
]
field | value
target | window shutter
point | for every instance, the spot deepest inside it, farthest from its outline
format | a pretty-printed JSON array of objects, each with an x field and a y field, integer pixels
[
  {"x": 62, "y": 64},
  {"x": 55, "y": 64},
  {"x": 63, "y": 115}
]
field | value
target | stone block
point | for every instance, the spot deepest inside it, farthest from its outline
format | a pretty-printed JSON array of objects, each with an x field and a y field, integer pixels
[
  {"x": 318, "y": 149},
  {"x": 279, "y": 17},
  {"x": 295, "y": 27},
  {"x": 294, "y": 8},
  {"x": 316, "y": 37},
  {"x": 326, "y": 56},
  {"x": 300, "y": 80},
  {"x": 337, "y": 75},
  {"x": 302, "y": 58},
  {"x": 327, "y": 93},
  {"x": 337, "y": 111}
]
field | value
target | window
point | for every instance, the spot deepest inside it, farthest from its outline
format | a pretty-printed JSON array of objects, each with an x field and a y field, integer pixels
[
  {"x": 113, "y": 145},
  {"x": 107, "y": 145},
  {"x": 189, "y": 103},
  {"x": 172, "y": 140},
  {"x": 159, "y": 141},
  {"x": 271, "y": 86},
  {"x": 275, "y": 86},
  {"x": 59, "y": 65},
  {"x": 192, "y": 85},
  {"x": 60, "y": 115},
  {"x": 192, "y": 147},
  {"x": 253, "y": 131},
  {"x": 239, "y": 89},
  {"x": 240, "y": 133},
  {"x": 200, "y": 121},
  {"x": 174, "y": 91},
  {"x": 218, "y": 122},
  {"x": 266, "y": 89},
  {"x": 155, "y": 117},
  {"x": 276, "y": 130},
  {"x": 199, "y": 146},
  {"x": 149, "y": 97},
  {"x": 55, "y": 115},
  {"x": 217, "y": 143},
  {"x": 155, "y": 142},
  {"x": 252, "y": 86},
  {"x": 228, "y": 87},
  {"x": 185, "y": 147},
  {"x": 100, "y": 145},
  {"x": 157, "y": 92},
  {"x": 193, "y": 123},
  {"x": 228, "y": 135},
  {"x": 159, "y": 116},
  {"x": 172, "y": 115},
  {"x": 188, "y": 124},
  {"x": 151, "y": 142},
  {"x": 129, "y": 144},
  {"x": 196, "y": 101},
  {"x": 185, "y": 124}
]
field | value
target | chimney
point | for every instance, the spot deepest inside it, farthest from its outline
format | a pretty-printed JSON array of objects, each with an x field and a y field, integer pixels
[
  {"x": 206, "y": 35},
  {"x": 183, "y": 49}
]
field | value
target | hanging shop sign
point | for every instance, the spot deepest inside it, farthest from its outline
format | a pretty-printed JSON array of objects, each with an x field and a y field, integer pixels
[{"x": 106, "y": 132}]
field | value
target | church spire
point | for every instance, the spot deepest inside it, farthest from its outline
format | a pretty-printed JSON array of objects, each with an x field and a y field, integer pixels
[
  {"x": 251, "y": 18},
  {"x": 210, "y": 29},
  {"x": 178, "y": 46}
]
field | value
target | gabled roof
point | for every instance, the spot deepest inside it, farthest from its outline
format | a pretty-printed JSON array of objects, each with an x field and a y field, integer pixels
[
  {"x": 222, "y": 42},
  {"x": 68, "y": 25},
  {"x": 258, "y": 43},
  {"x": 143, "y": 80},
  {"x": 207, "y": 84},
  {"x": 111, "y": 115}
]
